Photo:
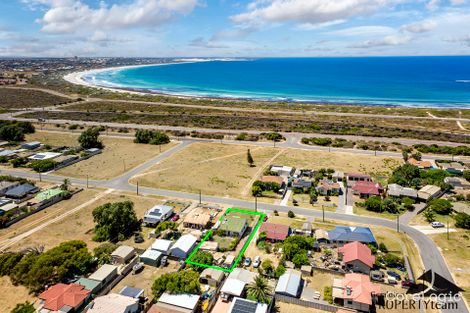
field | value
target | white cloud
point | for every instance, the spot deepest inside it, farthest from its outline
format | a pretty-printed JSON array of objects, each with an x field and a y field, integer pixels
[
  {"x": 420, "y": 27},
  {"x": 392, "y": 40},
  {"x": 73, "y": 16},
  {"x": 373, "y": 30},
  {"x": 457, "y": 2},
  {"x": 308, "y": 11},
  {"x": 433, "y": 5}
]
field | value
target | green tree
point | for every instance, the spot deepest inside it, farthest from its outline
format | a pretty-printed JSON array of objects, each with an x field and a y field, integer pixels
[
  {"x": 11, "y": 133},
  {"x": 462, "y": 220},
  {"x": 408, "y": 203},
  {"x": 280, "y": 270},
  {"x": 249, "y": 158},
  {"x": 256, "y": 191},
  {"x": 186, "y": 281},
  {"x": 466, "y": 175},
  {"x": 429, "y": 215},
  {"x": 258, "y": 290},
  {"x": 328, "y": 294},
  {"x": 374, "y": 204},
  {"x": 42, "y": 166},
  {"x": 65, "y": 184},
  {"x": 405, "y": 156},
  {"x": 313, "y": 196},
  {"x": 26, "y": 307},
  {"x": 290, "y": 214},
  {"x": 151, "y": 137},
  {"x": 404, "y": 175},
  {"x": 274, "y": 136},
  {"x": 202, "y": 257},
  {"x": 268, "y": 267},
  {"x": 90, "y": 139},
  {"x": 103, "y": 252},
  {"x": 300, "y": 259},
  {"x": 441, "y": 206},
  {"x": 390, "y": 205},
  {"x": 115, "y": 221}
]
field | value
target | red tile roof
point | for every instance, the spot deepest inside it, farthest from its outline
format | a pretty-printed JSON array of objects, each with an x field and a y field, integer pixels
[
  {"x": 275, "y": 231},
  {"x": 367, "y": 188},
  {"x": 361, "y": 288},
  {"x": 420, "y": 164},
  {"x": 61, "y": 294},
  {"x": 357, "y": 251}
]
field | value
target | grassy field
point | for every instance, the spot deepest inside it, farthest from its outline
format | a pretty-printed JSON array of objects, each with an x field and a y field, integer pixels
[
  {"x": 12, "y": 98},
  {"x": 215, "y": 169},
  {"x": 363, "y": 211},
  {"x": 79, "y": 226},
  {"x": 12, "y": 295},
  {"x": 119, "y": 155},
  {"x": 456, "y": 252}
]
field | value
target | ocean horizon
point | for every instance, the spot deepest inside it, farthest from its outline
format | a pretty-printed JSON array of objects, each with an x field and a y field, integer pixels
[{"x": 440, "y": 81}]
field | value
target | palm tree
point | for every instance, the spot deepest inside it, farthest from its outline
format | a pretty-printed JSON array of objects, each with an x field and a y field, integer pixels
[
  {"x": 258, "y": 290},
  {"x": 65, "y": 184}
]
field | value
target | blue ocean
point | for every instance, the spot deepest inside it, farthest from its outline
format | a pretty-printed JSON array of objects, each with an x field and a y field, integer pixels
[{"x": 405, "y": 81}]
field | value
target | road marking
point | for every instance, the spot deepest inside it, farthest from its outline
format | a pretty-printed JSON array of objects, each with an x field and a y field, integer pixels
[{"x": 10, "y": 242}]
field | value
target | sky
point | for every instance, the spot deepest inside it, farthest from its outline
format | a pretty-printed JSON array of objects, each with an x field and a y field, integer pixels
[{"x": 233, "y": 28}]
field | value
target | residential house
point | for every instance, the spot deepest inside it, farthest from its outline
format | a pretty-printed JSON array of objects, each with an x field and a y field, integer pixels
[
  {"x": 337, "y": 176},
  {"x": 289, "y": 284},
  {"x": 275, "y": 232},
  {"x": 366, "y": 189},
  {"x": 183, "y": 246},
  {"x": 31, "y": 145},
  {"x": 236, "y": 281},
  {"x": 307, "y": 173},
  {"x": 355, "y": 291},
  {"x": 457, "y": 183},
  {"x": 7, "y": 185},
  {"x": 355, "y": 177},
  {"x": 114, "y": 303},
  {"x": 210, "y": 246},
  {"x": 6, "y": 205},
  {"x": 321, "y": 236},
  {"x": 234, "y": 226},
  {"x": 63, "y": 298},
  {"x": 284, "y": 171},
  {"x": 162, "y": 245},
  {"x": 300, "y": 183},
  {"x": 21, "y": 191},
  {"x": 105, "y": 274},
  {"x": 328, "y": 187},
  {"x": 48, "y": 197},
  {"x": 344, "y": 234},
  {"x": 453, "y": 167},
  {"x": 65, "y": 159},
  {"x": 157, "y": 214},
  {"x": 211, "y": 277},
  {"x": 357, "y": 257},
  {"x": 44, "y": 156},
  {"x": 395, "y": 190},
  {"x": 91, "y": 285},
  {"x": 429, "y": 192},
  {"x": 305, "y": 230},
  {"x": 9, "y": 154},
  {"x": 176, "y": 303},
  {"x": 239, "y": 305},
  {"x": 123, "y": 254},
  {"x": 199, "y": 218},
  {"x": 423, "y": 164},
  {"x": 151, "y": 257}
]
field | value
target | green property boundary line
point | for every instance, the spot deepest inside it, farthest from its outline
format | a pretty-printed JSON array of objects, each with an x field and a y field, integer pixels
[{"x": 242, "y": 251}]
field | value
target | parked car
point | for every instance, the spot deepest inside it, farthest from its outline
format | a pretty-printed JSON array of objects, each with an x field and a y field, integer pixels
[
  {"x": 164, "y": 261},
  {"x": 137, "y": 268},
  {"x": 256, "y": 262},
  {"x": 175, "y": 218},
  {"x": 138, "y": 238},
  {"x": 394, "y": 274},
  {"x": 247, "y": 262},
  {"x": 391, "y": 280},
  {"x": 265, "y": 218},
  {"x": 437, "y": 225},
  {"x": 407, "y": 283}
]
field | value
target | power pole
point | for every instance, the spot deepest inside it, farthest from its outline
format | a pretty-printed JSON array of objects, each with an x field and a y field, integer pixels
[
  {"x": 323, "y": 212},
  {"x": 87, "y": 181},
  {"x": 256, "y": 204},
  {"x": 137, "y": 190},
  {"x": 40, "y": 177},
  {"x": 398, "y": 223},
  {"x": 448, "y": 228},
  {"x": 200, "y": 196}
]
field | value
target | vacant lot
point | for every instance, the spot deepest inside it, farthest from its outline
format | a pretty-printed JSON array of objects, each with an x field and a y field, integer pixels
[
  {"x": 456, "y": 251},
  {"x": 345, "y": 162},
  {"x": 79, "y": 226},
  {"x": 12, "y": 98},
  {"x": 215, "y": 169},
  {"x": 12, "y": 295},
  {"x": 119, "y": 155}
]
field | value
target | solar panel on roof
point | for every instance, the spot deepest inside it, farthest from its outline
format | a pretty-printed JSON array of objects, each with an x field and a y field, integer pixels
[{"x": 241, "y": 306}]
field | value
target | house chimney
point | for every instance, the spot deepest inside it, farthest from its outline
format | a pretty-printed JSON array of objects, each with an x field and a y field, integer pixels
[{"x": 348, "y": 290}]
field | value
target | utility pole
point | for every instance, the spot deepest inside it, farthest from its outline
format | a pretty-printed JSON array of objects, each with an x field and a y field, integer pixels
[
  {"x": 398, "y": 223},
  {"x": 448, "y": 228},
  {"x": 137, "y": 188},
  {"x": 323, "y": 212},
  {"x": 200, "y": 196},
  {"x": 87, "y": 181},
  {"x": 124, "y": 163},
  {"x": 160, "y": 146},
  {"x": 256, "y": 204},
  {"x": 40, "y": 177}
]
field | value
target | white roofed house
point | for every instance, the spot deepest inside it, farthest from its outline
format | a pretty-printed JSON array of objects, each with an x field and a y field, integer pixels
[
  {"x": 429, "y": 192},
  {"x": 162, "y": 245},
  {"x": 157, "y": 214},
  {"x": 105, "y": 274},
  {"x": 123, "y": 254},
  {"x": 235, "y": 283},
  {"x": 183, "y": 246},
  {"x": 289, "y": 284},
  {"x": 184, "y": 303},
  {"x": 114, "y": 303}
]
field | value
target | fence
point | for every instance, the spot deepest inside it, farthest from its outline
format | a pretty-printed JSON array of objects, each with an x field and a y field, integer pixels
[
  {"x": 327, "y": 270},
  {"x": 308, "y": 304}
]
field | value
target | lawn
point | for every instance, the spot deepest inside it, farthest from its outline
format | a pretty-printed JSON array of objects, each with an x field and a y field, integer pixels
[
  {"x": 303, "y": 200},
  {"x": 363, "y": 211},
  {"x": 119, "y": 155},
  {"x": 215, "y": 169}
]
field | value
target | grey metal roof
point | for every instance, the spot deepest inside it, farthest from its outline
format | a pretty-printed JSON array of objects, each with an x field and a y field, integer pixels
[
  {"x": 289, "y": 283},
  {"x": 21, "y": 191}
]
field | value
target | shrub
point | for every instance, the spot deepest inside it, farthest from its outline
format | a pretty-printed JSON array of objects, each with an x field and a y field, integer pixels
[
  {"x": 177, "y": 282},
  {"x": 328, "y": 294},
  {"x": 114, "y": 221},
  {"x": 429, "y": 215},
  {"x": 373, "y": 204},
  {"x": 90, "y": 138},
  {"x": 151, "y": 137},
  {"x": 42, "y": 166},
  {"x": 290, "y": 214},
  {"x": 441, "y": 206},
  {"x": 462, "y": 220}
]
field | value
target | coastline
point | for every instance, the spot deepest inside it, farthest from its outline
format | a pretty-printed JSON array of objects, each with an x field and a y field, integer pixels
[{"x": 77, "y": 78}]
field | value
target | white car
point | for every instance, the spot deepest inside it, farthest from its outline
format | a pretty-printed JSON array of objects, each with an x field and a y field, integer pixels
[
  {"x": 256, "y": 262},
  {"x": 437, "y": 225}
]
